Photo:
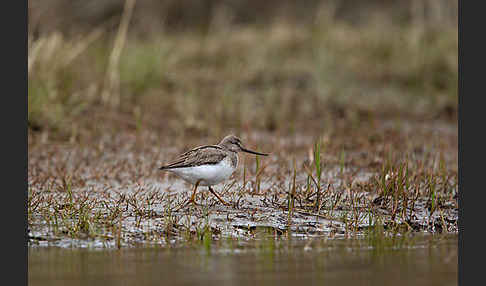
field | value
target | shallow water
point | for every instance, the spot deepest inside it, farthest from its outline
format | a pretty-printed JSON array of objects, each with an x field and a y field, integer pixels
[{"x": 415, "y": 260}]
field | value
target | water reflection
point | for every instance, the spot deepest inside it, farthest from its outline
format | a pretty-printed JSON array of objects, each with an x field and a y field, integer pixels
[{"x": 423, "y": 260}]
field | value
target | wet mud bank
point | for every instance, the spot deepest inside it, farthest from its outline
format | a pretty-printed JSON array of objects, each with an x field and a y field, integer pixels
[{"x": 110, "y": 194}]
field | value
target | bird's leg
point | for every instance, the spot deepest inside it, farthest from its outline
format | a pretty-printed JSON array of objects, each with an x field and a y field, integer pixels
[
  {"x": 194, "y": 192},
  {"x": 191, "y": 200},
  {"x": 219, "y": 198}
]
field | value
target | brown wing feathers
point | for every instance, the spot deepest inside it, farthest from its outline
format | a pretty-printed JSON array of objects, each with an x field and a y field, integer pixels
[{"x": 198, "y": 156}]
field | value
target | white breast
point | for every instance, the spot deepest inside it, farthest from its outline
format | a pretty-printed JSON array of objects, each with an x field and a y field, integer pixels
[{"x": 208, "y": 174}]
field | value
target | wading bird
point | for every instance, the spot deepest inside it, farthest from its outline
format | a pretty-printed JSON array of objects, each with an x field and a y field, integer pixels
[{"x": 209, "y": 165}]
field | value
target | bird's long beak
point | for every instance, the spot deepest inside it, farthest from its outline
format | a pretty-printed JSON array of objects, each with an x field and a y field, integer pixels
[{"x": 252, "y": 152}]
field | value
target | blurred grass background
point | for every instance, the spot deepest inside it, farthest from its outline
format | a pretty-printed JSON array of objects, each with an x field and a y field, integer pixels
[{"x": 206, "y": 67}]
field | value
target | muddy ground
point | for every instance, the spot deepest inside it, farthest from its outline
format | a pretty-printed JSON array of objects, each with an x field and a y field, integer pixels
[{"x": 110, "y": 193}]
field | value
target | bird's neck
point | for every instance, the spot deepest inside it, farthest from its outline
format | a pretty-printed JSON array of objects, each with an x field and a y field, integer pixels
[{"x": 234, "y": 159}]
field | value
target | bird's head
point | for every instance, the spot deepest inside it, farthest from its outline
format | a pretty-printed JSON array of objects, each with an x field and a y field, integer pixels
[{"x": 233, "y": 143}]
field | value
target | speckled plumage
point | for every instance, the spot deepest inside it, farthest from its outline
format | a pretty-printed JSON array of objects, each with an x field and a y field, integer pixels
[{"x": 202, "y": 155}]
